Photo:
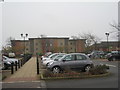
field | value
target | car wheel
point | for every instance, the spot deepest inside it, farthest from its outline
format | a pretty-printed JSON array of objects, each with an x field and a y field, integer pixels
[
  {"x": 56, "y": 70},
  {"x": 87, "y": 68}
]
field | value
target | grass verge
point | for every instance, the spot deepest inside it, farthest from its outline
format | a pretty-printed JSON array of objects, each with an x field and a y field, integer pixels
[{"x": 74, "y": 77}]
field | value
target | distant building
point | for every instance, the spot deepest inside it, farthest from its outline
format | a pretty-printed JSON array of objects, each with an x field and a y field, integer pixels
[
  {"x": 20, "y": 46},
  {"x": 76, "y": 45},
  {"x": 46, "y": 44},
  {"x": 103, "y": 46}
]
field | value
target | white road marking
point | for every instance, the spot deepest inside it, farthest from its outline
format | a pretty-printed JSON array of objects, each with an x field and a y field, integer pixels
[
  {"x": 38, "y": 87},
  {"x": 108, "y": 65},
  {"x": 20, "y": 81}
]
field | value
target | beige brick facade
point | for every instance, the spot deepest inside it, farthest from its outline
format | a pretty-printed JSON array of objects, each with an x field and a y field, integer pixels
[{"x": 53, "y": 44}]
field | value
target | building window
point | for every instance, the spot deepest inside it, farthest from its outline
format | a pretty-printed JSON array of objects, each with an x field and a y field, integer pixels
[
  {"x": 70, "y": 43},
  {"x": 71, "y": 48},
  {"x": 50, "y": 44}
]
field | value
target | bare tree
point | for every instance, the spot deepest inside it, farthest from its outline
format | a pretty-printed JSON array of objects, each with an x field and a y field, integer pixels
[
  {"x": 90, "y": 39},
  {"x": 117, "y": 27},
  {"x": 9, "y": 41},
  {"x": 8, "y": 47}
]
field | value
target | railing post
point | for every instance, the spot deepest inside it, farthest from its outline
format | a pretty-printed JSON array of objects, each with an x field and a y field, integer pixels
[
  {"x": 12, "y": 69},
  {"x": 37, "y": 65},
  {"x": 15, "y": 65},
  {"x": 18, "y": 63},
  {"x": 21, "y": 62}
]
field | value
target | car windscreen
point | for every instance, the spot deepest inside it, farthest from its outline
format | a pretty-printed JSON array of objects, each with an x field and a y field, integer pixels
[
  {"x": 53, "y": 56},
  {"x": 58, "y": 57}
]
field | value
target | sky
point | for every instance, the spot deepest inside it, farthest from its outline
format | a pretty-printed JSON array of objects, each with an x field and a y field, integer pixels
[{"x": 57, "y": 18}]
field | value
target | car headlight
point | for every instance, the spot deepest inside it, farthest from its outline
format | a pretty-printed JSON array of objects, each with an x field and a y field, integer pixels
[{"x": 8, "y": 63}]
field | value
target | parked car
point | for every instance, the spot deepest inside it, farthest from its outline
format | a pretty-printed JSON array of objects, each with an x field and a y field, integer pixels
[
  {"x": 107, "y": 55},
  {"x": 51, "y": 56},
  {"x": 8, "y": 61},
  {"x": 72, "y": 61},
  {"x": 115, "y": 55},
  {"x": 46, "y": 55},
  {"x": 60, "y": 55},
  {"x": 96, "y": 54}
]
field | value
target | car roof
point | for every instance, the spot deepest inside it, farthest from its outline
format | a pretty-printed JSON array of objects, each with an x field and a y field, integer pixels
[
  {"x": 77, "y": 53},
  {"x": 5, "y": 56}
]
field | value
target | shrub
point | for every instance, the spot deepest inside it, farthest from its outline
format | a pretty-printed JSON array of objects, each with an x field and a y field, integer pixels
[
  {"x": 63, "y": 74},
  {"x": 98, "y": 69},
  {"x": 47, "y": 73}
]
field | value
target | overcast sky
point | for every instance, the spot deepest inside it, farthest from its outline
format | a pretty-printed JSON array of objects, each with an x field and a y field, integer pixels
[{"x": 58, "y": 18}]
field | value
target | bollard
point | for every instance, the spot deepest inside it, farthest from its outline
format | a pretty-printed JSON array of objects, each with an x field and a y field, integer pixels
[
  {"x": 37, "y": 65},
  {"x": 15, "y": 65},
  {"x": 21, "y": 62},
  {"x": 12, "y": 70},
  {"x": 18, "y": 63}
]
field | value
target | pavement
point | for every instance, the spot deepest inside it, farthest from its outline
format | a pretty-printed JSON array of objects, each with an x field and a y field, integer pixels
[
  {"x": 28, "y": 72},
  {"x": 25, "y": 77}
]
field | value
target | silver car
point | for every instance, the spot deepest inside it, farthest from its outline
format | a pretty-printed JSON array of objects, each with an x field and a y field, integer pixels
[
  {"x": 60, "y": 55},
  {"x": 72, "y": 61}
]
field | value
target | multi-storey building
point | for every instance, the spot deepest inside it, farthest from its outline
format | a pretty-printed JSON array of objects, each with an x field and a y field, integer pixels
[
  {"x": 52, "y": 44},
  {"x": 103, "y": 46},
  {"x": 21, "y": 46},
  {"x": 76, "y": 45}
]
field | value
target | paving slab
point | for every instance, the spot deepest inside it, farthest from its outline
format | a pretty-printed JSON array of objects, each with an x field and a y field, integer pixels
[{"x": 28, "y": 72}]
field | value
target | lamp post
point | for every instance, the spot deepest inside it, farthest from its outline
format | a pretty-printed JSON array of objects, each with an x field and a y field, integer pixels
[
  {"x": 107, "y": 35},
  {"x": 24, "y": 36}
]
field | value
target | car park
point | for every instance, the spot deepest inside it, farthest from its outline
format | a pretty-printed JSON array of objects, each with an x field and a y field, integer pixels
[
  {"x": 96, "y": 54},
  {"x": 77, "y": 61},
  {"x": 51, "y": 56},
  {"x": 60, "y": 55},
  {"x": 8, "y": 61},
  {"x": 114, "y": 55},
  {"x": 46, "y": 55}
]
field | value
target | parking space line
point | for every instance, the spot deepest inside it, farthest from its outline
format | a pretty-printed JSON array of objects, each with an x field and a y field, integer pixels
[{"x": 109, "y": 65}]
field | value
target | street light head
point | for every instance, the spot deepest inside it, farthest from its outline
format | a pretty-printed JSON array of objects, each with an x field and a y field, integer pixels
[
  {"x": 21, "y": 35},
  {"x": 107, "y": 33},
  {"x": 26, "y": 35}
]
